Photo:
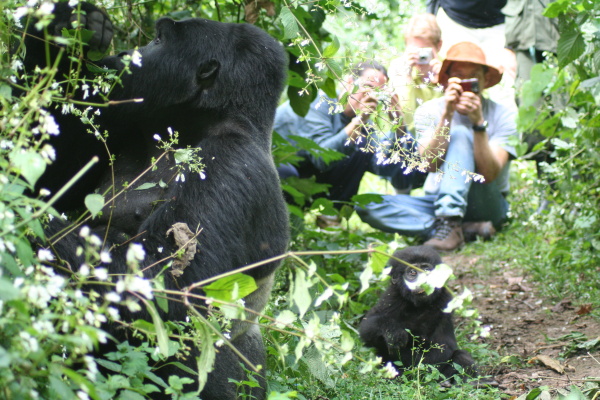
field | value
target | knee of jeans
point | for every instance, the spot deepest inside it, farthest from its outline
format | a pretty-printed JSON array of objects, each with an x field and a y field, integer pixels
[{"x": 460, "y": 134}]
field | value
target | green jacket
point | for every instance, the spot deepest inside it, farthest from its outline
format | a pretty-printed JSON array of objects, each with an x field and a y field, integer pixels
[{"x": 527, "y": 27}]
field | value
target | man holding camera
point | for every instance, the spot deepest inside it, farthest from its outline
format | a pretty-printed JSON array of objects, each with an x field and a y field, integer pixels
[
  {"x": 466, "y": 142},
  {"x": 345, "y": 129}
]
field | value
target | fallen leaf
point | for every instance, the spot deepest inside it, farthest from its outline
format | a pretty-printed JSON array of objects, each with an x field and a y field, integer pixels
[
  {"x": 548, "y": 362},
  {"x": 585, "y": 309},
  {"x": 185, "y": 239},
  {"x": 561, "y": 306}
]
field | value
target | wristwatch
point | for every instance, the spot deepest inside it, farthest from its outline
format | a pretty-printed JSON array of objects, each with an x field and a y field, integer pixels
[{"x": 480, "y": 128}]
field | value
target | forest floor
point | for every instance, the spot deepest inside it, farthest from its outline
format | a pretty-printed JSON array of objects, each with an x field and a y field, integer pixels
[{"x": 541, "y": 343}]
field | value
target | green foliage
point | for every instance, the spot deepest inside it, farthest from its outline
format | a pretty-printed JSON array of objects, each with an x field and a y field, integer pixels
[{"x": 569, "y": 119}]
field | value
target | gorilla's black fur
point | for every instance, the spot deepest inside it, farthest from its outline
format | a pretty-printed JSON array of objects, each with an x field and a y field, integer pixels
[
  {"x": 217, "y": 85},
  {"x": 431, "y": 339}
]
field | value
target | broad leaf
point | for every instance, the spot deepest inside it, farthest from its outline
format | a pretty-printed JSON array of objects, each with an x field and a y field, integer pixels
[
  {"x": 29, "y": 164},
  {"x": 290, "y": 26},
  {"x": 570, "y": 46},
  {"x": 94, "y": 203},
  {"x": 231, "y": 288}
]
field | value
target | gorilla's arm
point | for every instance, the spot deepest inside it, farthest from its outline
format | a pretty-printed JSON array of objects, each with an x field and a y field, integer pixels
[{"x": 91, "y": 18}]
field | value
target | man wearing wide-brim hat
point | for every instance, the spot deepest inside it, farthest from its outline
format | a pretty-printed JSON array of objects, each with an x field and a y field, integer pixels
[{"x": 464, "y": 140}]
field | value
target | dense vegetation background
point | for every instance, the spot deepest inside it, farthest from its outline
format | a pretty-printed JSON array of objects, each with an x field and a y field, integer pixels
[{"x": 48, "y": 324}]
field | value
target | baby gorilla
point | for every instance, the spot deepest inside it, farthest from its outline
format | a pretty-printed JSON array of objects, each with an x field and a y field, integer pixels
[{"x": 431, "y": 338}]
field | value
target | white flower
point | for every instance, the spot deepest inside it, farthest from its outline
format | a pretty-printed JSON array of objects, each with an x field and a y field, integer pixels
[
  {"x": 20, "y": 13},
  {"x": 29, "y": 342},
  {"x": 389, "y": 371},
  {"x": 112, "y": 296},
  {"x": 16, "y": 64},
  {"x": 113, "y": 313},
  {"x": 101, "y": 273},
  {"x": 73, "y": 3},
  {"x": 136, "y": 58},
  {"x": 180, "y": 177},
  {"x": 46, "y": 8},
  {"x": 38, "y": 296},
  {"x": 156, "y": 137},
  {"x": 43, "y": 327},
  {"x": 105, "y": 257},
  {"x": 135, "y": 284},
  {"x": 135, "y": 253},
  {"x": 84, "y": 270},
  {"x": 84, "y": 232},
  {"x": 45, "y": 255},
  {"x": 83, "y": 395},
  {"x": 202, "y": 175}
]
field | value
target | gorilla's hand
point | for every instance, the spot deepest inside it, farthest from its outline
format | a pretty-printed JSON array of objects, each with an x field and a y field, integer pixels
[
  {"x": 91, "y": 18},
  {"x": 396, "y": 339}
]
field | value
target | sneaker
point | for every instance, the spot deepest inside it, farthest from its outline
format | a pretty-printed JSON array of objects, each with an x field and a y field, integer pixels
[
  {"x": 484, "y": 230},
  {"x": 447, "y": 234}
]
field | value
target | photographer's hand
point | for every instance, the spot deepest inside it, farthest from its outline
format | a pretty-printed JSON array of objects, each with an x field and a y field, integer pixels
[{"x": 469, "y": 104}]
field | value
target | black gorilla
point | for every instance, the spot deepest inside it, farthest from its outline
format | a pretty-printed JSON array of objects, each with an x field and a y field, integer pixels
[
  {"x": 218, "y": 86},
  {"x": 431, "y": 338}
]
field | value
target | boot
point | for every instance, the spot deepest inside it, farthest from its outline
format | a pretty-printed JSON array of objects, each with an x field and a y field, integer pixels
[
  {"x": 447, "y": 234},
  {"x": 484, "y": 230}
]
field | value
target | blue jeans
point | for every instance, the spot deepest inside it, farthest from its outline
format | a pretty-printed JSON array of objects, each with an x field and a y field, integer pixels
[{"x": 457, "y": 197}]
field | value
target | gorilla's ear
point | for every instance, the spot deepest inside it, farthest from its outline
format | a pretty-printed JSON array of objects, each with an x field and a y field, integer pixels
[{"x": 207, "y": 73}]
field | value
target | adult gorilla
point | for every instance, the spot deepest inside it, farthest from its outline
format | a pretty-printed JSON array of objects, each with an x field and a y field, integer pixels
[{"x": 217, "y": 85}]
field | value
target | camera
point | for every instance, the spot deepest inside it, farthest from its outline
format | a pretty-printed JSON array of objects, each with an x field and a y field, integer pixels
[
  {"x": 425, "y": 55},
  {"x": 470, "y": 85}
]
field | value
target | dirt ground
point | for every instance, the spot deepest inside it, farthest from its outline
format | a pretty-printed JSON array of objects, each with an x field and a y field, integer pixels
[{"x": 522, "y": 324}]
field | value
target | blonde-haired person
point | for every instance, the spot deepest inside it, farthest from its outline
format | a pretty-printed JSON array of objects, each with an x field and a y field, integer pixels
[
  {"x": 413, "y": 78},
  {"x": 413, "y": 75}
]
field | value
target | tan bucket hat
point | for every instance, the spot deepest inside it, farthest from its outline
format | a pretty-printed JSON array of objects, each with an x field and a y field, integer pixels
[{"x": 468, "y": 52}]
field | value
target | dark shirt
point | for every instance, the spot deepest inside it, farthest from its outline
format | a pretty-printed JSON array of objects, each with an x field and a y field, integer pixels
[{"x": 475, "y": 13}]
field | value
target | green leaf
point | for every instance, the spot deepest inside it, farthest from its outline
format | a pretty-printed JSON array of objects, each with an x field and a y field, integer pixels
[
  {"x": 162, "y": 338},
  {"x": 162, "y": 302},
  {"x": 300, "y": 104},
  {"x": 94, "y": 203},
  {"x": 231, "y": 288},
  {"x": 206, "y": 360},
  {"x": 367, "y": 198},
  {"x": 59, "y": 389},
  {"x": 570, "y": 46},
  {"x": 332, "y": 49},
  {"x": 5, "y": 91},
  {"x": 364, "y": 278},
  {"x": 556, "y": 8},
  {"x": 147, "y": 185},
  {"x": 111, "y": 366},
  {"x": 335, "y": 70},
  {"x": 438, "y": 277},
  {"x": 533, "y": 394},
  {"x": 300, "y": 294},
  {"x": 290, "y": 26},
  {"x": 8, "y": 291},
  {"x": 378, "y": 261},
  {"x": 328, "y": 86},
  {"x": 295, "y": 79},
  {"x": 129, "y": 395},
  {"x": 29, "y": 164}
]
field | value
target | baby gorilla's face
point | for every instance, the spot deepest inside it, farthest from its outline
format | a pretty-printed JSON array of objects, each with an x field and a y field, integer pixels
[{"x": 412, "y": 275}]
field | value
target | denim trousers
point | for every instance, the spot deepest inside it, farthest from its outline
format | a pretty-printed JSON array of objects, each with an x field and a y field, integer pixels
[{"x": 457, "y": 196}]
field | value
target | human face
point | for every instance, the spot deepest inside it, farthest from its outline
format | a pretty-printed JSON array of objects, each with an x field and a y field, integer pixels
[
  {"x": 467, "y": 70},
  {"x": 412, "y": 55},
  {"x": 363, "y": 98}
]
